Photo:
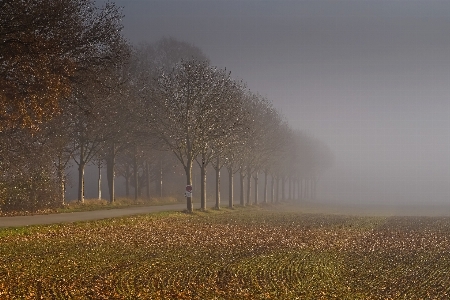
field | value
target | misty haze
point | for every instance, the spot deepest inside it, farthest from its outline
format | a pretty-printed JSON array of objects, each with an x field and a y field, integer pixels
[
  {"x": 370, "y": 79},
  {"x": 169, "y": 149}
]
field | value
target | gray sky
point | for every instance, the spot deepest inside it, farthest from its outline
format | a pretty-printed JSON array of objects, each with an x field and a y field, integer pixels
[{"x": 369, "y": 78}]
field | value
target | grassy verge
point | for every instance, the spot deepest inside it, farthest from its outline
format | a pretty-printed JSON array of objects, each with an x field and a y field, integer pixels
[
  {"x": 95, "y": 204},
  {"x": 244, "y": 253}
]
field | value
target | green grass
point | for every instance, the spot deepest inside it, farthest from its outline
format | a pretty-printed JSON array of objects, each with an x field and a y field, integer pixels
[{"x": 244, "y": 253}]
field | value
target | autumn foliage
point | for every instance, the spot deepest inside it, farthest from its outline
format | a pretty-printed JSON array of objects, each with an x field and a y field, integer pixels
[{"x": 43, "y": 44}]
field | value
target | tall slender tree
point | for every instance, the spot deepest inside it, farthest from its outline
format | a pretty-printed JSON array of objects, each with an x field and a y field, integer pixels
[{"x": 190, "y": 109}]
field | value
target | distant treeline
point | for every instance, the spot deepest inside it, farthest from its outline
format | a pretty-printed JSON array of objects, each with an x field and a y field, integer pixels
[{"x": 74, "y": 91}]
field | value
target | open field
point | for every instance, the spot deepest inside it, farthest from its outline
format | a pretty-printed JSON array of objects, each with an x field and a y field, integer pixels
[{"x": 247, "y": 253}]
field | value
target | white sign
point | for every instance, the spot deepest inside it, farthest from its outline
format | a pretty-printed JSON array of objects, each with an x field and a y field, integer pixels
[{"x": 188, "y": 195}]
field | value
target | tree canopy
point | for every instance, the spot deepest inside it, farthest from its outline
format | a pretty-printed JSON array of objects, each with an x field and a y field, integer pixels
[{"x": 43, "y": 44}]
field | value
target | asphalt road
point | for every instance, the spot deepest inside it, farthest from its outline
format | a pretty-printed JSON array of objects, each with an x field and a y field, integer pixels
[{"x": 20, "y": 221}]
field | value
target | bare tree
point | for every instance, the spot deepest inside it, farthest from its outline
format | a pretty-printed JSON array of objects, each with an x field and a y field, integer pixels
[
  {"x": 94, "y": 107},
  {"x": 60, "y": 132},
  {"x": 226, "y": 147},
  {"x": 262, "y": 140},
  {"x": 305, "y": 160},
  {"x": 320, "y": 158},
  {"x": 123, "y": 119},
  {"x": 148, "y": 61},
  {"x": 189, "y": 110},
  {"x": 88, "y": 139}
]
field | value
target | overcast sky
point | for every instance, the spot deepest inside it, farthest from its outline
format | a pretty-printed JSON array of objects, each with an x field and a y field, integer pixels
[{"x": 369, "y": 78}]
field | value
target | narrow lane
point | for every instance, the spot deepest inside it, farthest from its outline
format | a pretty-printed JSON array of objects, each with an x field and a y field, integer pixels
[{"x": 19, "y": 221}]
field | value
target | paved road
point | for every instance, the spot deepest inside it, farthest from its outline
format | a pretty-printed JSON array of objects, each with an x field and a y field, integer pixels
[{"x": 20, "y": 221}]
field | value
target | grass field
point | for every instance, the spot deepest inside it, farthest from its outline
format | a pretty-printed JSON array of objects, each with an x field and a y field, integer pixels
[{"x": 247, "y": 253}]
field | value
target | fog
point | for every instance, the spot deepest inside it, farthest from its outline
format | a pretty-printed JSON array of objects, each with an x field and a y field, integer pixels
[{"x": 369, "y": 78}]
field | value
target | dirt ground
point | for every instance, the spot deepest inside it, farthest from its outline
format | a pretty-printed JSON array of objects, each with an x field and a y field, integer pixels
[{"x": 431, "y": 210}]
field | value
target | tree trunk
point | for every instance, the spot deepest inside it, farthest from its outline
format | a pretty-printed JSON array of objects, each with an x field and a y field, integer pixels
[
  {"x": 188, "y": 171},
  {"x": 265, "y": 187},
  {"x": 297, "y": 189},
  {"x": 272, "y": 189},
  {"x": 62, "y": 182},
  {"x": 283, "y": 195},
  {"x": 99, "y": 181},
  {"x": 294, "y": 182},
  {"x": 256, "y": 187},
  {"x": 110, "y": 174},
  {"x": 277, "y": 189},
  {"x": 160, "y": 178},
  {"x": 301, "y": 189},
  {"x": 305, "y": 196},
  {"x": 81, "y": 181},
  {"x": 249, "y": 185},
  {"x": 241, "y": 194},
  {"x": 310, "y": 188},
  {"x": 289, "y": 189},
  {"x": 63, "y": 190},
  {"x": 293, "y": 188},
  {"x": 135, "y": 175},
  {"x": 81, "y": 166},
  {"x": 81, "y": 175},
  {"x": 306, "y": 188},
  {"x": 127, "y": 181},
  {"x": 203, "y": 184},
  {"x": 292, "y": 196},
  {"x": 314, "y": 186},
  {"x": 230, "y": 187},
  {"x": 217, "y": 185},
  {"x": 147, "y": 173}
]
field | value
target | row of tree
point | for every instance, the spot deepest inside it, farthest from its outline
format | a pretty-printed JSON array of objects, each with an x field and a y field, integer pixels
[{"x": 86, "y": 96}]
